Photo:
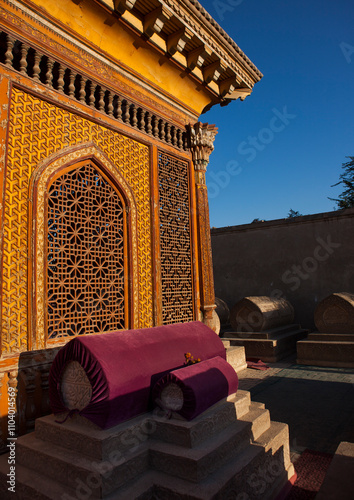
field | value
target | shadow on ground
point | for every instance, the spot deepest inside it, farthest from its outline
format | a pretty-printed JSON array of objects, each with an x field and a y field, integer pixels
[{"x": 316, "y": 403}]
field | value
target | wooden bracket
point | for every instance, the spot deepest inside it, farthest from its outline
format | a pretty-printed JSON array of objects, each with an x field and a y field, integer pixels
[
  {"x": 241, "y": 94},
  {"x": 177, "y": 41},
  {"x": 155, "y": 20},
  {"x": 121, "y": 6},
  {"x": 228, "y": 85},
  {"x": 196, "y": 57},
  {"x": 213, "y": 71}
]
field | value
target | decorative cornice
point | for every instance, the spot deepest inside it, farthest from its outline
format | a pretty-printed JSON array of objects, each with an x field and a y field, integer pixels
[
  {"x": 201, "y": 137},
  {"x": 209, "y": 31},
  {"x": 189, "y": 37},
  {"x": 210, "y": 20},
  {"x": 213, "y": 51}
]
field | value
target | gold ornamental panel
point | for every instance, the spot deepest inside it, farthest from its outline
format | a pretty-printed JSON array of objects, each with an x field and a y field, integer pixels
[
  {"x": 175, "y": 240},
  {"x": 38, "y": 130},
  {"x": 85, "y": 258}
]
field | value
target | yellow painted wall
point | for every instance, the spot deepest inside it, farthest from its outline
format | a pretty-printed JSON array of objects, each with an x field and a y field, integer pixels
[{"x": 88, "y": 20}]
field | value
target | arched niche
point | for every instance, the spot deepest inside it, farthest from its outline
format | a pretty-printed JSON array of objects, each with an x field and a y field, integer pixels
[{"x": 83, "y": 191}]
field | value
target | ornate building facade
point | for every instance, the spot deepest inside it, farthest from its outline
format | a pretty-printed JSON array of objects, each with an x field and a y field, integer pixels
[{"x": 104, "y": 209}]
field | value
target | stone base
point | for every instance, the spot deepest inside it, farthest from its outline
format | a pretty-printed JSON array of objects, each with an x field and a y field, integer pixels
[
  {"x": 338, "y": 483},
  {"x": 222, "y": 453},
  {"x": 236, "y": 356},
  {"x": 326, "y": 349},
  {"x": 269, "y": 346}
]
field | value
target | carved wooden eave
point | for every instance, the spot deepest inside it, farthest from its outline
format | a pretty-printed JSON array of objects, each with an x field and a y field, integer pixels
[
  {"x": 184, "y": 27},
  {"x": 192, "y": 63}
]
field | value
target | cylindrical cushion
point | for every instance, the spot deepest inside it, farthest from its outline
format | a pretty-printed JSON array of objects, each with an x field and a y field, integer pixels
[
  {"x": 193, "y": 389},
  {"x": 335, "y": 314},
  {"x": 256, "y": 314},
  {"x": 122, "y": 366}
]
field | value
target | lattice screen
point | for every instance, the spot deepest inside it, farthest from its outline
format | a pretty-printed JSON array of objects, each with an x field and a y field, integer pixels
[
  {"x": 85, "y": 254},
  {"x": 175, "y": 240}
]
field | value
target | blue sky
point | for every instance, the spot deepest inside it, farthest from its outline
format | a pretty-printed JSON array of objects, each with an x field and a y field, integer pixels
[{"x": 282, "y": 147}]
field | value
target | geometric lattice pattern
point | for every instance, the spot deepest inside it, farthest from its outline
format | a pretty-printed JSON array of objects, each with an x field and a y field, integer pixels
[
  {"x": 85, "y": 255},
  {"x": 175, "y": 240},
  {"x": 38, "y": 129}
]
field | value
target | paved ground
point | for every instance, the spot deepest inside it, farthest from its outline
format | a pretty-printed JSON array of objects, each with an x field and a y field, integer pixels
[{"x": 317, "y": 403}]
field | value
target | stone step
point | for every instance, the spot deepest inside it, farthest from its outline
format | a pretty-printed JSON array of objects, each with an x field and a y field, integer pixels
[
  {"x": 80, "y": 435},
  {"x": 236, "y": 356},
  {"x": 71, "y": 468},
  {"x": 277, "y": 438},
  {"x": 77, "y": 472},
  {"x": 255, "y": 473},
  {"x": 194, "y": 464},
  {"x": 166, "y": 487},
  {"x": 266, "y": 334},
  {"x": 242, "y": 402},
  {"x": 215, "y": 419},
  {"x": 70, "y": 465},
  {"x": 233, "y": 466},
  {"x": 31, "y": 485},
  {"x": 258, "y": 405},
  {"x": 259, "y": 418},
  {"x": 236, "y": 477},
  {"x": 271, "y": 350}
]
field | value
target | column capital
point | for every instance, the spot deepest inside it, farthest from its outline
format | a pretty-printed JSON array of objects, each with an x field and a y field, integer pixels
[{"x": 201, "y": 137}]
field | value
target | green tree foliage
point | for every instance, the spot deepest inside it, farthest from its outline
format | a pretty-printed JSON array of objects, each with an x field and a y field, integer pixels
[
  {"x": 293, "y": 213},
  {"x": 346, "y": 198}
]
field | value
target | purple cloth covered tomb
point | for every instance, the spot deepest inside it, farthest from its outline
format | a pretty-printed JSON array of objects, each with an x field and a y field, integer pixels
[
  {"x": 196, "y": 387},
  {"x": 122, "y": 367}
]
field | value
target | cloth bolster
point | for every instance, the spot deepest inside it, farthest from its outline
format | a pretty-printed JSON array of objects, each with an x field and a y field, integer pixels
[
  {"x": 191, "y": 390},
  {"x": 122, "y": 367}
]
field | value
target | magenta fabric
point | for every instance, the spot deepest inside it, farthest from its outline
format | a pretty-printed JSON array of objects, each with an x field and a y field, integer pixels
[
  {"x": 256, "y": 365},
  {"x": 203, "y": 384},
  {"x": 122, "y": 366}
]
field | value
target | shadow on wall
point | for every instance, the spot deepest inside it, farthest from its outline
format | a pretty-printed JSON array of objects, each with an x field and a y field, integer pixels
[{"x": 302, "y": 259}]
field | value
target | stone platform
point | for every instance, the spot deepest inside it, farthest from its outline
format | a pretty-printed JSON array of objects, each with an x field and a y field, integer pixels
[
  {"x": 326, "y": 349},
  {"x": 233, "y": 448},
  {"x": 269, "y": 345}
]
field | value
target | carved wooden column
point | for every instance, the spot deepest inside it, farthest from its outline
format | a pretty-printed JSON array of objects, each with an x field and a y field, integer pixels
[{"x": 201, "y": 137}]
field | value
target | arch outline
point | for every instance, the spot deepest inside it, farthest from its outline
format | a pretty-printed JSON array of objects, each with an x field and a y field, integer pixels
[{"x": 39, "y": 181}]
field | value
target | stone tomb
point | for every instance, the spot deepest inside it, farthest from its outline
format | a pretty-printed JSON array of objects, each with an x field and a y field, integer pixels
[
  {"x": 223, "y": 312},
  {"x": 224, "y": 447},
  {"x": 264, "y": 326},
  {"x": 333, "y": 344},
  {"x": 235, "y": 355}
]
